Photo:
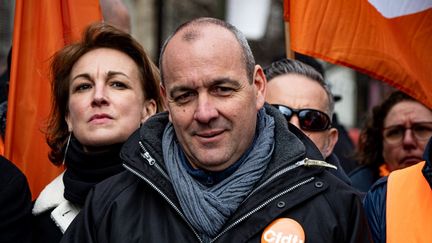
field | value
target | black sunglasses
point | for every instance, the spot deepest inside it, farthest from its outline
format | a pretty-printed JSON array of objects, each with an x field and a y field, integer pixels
[{"x": 309, "y": 119}]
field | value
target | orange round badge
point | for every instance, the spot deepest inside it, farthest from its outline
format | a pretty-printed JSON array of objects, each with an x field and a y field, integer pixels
[{"x": 283, "y": 230}]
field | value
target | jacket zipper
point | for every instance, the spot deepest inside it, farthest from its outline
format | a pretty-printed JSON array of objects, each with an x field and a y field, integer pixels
[
  {"x": 262, "y": 205},
  {"x": 304, "y": 162},
  {"x": 146, "y": 155}
]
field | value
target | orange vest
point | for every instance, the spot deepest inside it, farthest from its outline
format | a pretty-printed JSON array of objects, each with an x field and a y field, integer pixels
[{"x": 409, "y": 206}]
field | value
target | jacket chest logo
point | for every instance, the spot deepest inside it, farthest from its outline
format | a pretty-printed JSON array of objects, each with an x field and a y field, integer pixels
[{"x": 283, "y": 230}]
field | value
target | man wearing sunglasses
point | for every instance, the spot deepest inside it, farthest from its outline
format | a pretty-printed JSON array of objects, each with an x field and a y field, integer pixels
[{"x": 299, "y": 92}]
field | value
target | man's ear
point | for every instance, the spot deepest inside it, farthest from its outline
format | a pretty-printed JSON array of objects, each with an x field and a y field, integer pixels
[
  {"x": 260, "y": 82},
  {"x": 332, "y": 138},
  {"x": 163, "y": 93}
]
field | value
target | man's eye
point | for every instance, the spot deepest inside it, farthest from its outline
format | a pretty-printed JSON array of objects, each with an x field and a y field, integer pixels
[
  {"x": 184, "y": 98},
  {"x": 224, "y": 91}
]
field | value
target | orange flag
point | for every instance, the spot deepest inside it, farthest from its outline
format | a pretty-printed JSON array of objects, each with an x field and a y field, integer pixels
[
  {"x": 390, "y": 40},
  {"x": 41, "y": 27}
]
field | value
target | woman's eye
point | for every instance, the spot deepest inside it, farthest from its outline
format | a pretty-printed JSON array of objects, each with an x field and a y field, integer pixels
[
  {"x": 119, "y": 85},
  {"x": 82, "y": 87},
  {"x": 395, "y": 132},
  {"x": 422, "y": 131}
]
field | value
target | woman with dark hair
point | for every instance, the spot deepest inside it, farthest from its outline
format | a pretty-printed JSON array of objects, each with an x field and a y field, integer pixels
[
  {"x": 394, "y": 137},
  {"x": 103, "y": 88}
]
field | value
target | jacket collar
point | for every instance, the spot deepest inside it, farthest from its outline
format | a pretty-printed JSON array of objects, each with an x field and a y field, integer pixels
[{"x": 50, "y": 197}]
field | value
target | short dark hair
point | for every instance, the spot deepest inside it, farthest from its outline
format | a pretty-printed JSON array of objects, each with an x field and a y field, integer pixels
[
  {"x": 194, "y": 33},
  {"x": 291, "y": 66},
  {"x": 97, "y": 35}
]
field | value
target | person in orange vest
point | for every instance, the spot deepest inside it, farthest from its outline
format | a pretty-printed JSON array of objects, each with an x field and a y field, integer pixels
[
  {"x": 399, "y": 206},
  {"x": 394, "y": 137}
]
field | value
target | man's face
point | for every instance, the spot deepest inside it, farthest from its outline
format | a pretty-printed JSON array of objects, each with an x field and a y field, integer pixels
[
  {"x": 211, "y": 103},
  {"x": 408, "y": 150},
  {"x": 299, "y": 92}
]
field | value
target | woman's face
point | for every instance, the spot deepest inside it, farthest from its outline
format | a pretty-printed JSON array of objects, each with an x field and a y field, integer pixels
[
  {"x": 106, "y": 100},
  {"x": 407, "y": 127}
]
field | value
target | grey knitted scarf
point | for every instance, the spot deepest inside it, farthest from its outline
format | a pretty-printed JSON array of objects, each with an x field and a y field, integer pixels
[{"x": 208, "y": 208}]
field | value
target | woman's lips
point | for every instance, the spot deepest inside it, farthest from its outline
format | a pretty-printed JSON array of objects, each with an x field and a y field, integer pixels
[{"x": 97, "y": 118}]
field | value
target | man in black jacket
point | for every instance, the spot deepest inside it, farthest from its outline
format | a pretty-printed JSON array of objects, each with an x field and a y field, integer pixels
[
  {"x": 15, "y": 204},
  {"x": 220, "y": 165}
]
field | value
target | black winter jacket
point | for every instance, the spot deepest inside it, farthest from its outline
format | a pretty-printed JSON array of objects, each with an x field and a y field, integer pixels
[
  {"x": 15, "y": 204},
  {"x": 140, "y": 205}
]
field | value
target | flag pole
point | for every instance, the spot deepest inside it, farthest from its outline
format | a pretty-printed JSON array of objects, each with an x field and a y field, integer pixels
[{"x": 289, "y": 52}]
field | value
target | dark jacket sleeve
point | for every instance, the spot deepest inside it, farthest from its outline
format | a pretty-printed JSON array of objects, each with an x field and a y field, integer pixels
[
  {"x": 15, "y": 204},
  {"x": 346, "y": 205},
  {"x": 92, "y": 224},
  {"x": 358, "y": 223},
  {"x": 375, "y": 207}
]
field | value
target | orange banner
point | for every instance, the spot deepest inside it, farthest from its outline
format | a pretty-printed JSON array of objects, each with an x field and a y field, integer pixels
[
  {"x": 40, "y": 29},
  {"x": 387, "y": 40}
]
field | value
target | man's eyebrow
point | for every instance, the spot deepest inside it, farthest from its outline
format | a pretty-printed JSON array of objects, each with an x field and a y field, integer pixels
[{"x": 220, "y": 81}]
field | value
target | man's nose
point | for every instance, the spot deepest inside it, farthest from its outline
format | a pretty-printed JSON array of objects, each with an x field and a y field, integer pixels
[
  {"x": 295, "y": 121},
  {"x": 205, "y": 110}
]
